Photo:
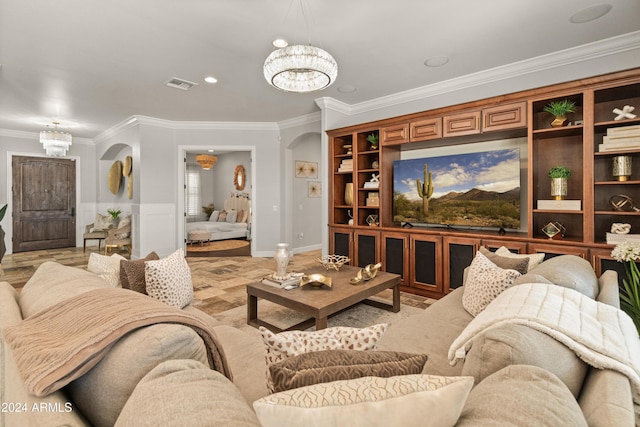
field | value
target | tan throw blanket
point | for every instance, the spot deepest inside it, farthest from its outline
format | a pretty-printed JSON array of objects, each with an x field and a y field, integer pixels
[
  {"x": 63, "y": 342},
  {"x": 601, "y": 335}
]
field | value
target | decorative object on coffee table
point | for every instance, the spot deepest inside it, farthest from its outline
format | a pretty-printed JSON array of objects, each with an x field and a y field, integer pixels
[
  {"x": 559, "y": 176},
  {"x": 367, "y": 273},
  {"x": 282, "y": 257},
  {"x": 622, "y": 167},
  {"x": 316, "y": 280},
  {"x": 333, "y": 262}
]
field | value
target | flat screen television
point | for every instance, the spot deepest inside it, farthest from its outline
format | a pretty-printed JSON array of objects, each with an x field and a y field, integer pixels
[{"x": 470, "y": 190}]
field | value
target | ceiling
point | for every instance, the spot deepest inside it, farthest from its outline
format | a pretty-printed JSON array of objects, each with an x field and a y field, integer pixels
[{"x": 91, "y": 64}]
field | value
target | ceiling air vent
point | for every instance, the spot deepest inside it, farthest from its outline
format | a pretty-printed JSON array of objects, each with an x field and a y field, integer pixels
[{"x": 180, "y": 83}]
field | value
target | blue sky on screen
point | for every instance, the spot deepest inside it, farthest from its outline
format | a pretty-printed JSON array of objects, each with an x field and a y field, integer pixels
[{"x": 497, "y": 170}]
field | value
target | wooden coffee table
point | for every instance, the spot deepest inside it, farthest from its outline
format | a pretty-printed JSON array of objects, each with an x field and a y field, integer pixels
[{"x": 320, "y": 303}]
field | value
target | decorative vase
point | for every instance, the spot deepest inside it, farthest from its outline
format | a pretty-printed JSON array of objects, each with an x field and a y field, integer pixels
[
  {"x": 348, "y": 194},
  {"x": 558, "y": 121},
  {"x": 282, "y": 257},
  {"x": 559, "y": 188},
  {"x": 622, "y": 167}
]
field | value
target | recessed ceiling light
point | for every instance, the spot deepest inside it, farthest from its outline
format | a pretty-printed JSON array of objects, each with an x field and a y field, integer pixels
[
  {"x": 210, "y": 79},
  {"x": 436, "y": 61},
  {"x": 280, "y": 43},
  {"x": 346, "y": 89},
  {"x": 590, "y": 14}
]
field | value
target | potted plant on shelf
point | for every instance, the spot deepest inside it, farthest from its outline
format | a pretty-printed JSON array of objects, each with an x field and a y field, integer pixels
[
  {"x": 559, "y": 186},
  {"x": 373, "y": 139},
  {"x": 3, "y": 248},
  {"x": 559, "y": 110}
]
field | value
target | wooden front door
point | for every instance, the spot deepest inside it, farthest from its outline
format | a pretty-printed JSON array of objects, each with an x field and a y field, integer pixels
[{"x": 44, "y": 203}]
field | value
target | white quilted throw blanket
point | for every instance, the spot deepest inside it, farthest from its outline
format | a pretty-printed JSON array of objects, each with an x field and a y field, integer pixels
[{"x": 600, "y": 334}]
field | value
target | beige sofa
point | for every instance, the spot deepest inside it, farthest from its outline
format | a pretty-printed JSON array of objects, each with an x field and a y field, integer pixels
[{"x": 157, "y": 373}]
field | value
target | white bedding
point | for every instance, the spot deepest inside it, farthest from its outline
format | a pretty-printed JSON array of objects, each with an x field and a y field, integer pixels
[{"x": 220, "y": 230}]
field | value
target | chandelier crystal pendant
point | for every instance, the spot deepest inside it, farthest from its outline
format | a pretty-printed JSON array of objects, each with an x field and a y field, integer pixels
[
  {"x": 300, "y": 68},
  {"x": 55, "y": 142},
  {"x": 206, "y": 161}
]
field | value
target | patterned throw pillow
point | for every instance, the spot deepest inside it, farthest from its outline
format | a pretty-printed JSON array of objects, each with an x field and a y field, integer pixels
[
  {"x": 123, "y": 223},
  {"x": 335, "y": 365},
  {"x": 406, "y": 400},
  {"x": 222, "y": 217},
  {"x": 534, "y": 259},
  {"x": 485, "y": 282},
  {"x": 169, "y": 280},
  {"x": 107, "y": 267},
  {"x": 102, "y": 222},
  {"x": 293, "y": 343},
  {"x": 232, "y": 216},
  {"x": 132, "y": 273}
]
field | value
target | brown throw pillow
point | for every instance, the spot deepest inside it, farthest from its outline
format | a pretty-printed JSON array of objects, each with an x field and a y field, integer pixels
[
  {"x": 335, "y": 365},
  {"x": 520, "y": 265},
  {"x": 132, "y": 273}
]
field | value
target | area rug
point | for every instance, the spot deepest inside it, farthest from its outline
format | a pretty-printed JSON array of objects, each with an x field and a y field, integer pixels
[
  {"x": 359, "y": 316},
  {"x": 220, "y": 248}
]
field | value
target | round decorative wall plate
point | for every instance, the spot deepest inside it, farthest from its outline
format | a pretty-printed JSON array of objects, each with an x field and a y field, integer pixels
[{"x": 115, "y": 177}]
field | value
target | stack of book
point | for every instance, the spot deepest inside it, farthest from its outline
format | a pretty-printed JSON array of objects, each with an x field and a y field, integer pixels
[
  {"x": 372, "y": 184},
  {"x": 614, "y": 239},
  {"x": 560, "y": 205},
  {"x": 346, "y": 165},
  {"x": 622, "y": 138},
  {"x": 281, "y": 283}
]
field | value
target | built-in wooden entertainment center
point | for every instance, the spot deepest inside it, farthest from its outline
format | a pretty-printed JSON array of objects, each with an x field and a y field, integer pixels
[{"x": 431, "y": 260}]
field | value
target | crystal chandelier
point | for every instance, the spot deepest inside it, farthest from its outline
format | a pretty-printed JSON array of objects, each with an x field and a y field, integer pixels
[
  {"x": 206, "y": 161},
  {"x": 55, "y": 142},
  {"x": 300, "y": 68}
]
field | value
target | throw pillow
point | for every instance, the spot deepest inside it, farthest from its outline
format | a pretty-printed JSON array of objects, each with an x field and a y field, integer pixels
[
  {"x": 520, "y": 265},
  {"x": 132, "y": 273},
  {"x": 214, "y": 216},
  {"x": 523, "y": 396},
  {"x": 106, "y": 267},
  {"x": 534, "y": 259},
  {"x": 123, "y": 223},
  {"x": 169, "y": 280},
  {"x": 484, "y": 283},
  {"x": 195, "y": 386},
  {"x": 102, "y": 222},
  {"x": 232, "y": 216},
  {"x": 334, "y": 365},
  {"x": 222, "y": 217},
  {"x": 245, "y": 216},
  {"x": 293, "y": 343},
  {"x": 407, "y": 400}
]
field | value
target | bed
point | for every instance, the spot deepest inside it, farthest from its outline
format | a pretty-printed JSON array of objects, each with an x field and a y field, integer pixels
[{"x": 231, "y": 223}]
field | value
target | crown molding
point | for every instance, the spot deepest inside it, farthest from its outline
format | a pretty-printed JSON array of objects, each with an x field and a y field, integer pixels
[
  {"x": 307, "y": 119},
  {"x": 562, "y": 58}
]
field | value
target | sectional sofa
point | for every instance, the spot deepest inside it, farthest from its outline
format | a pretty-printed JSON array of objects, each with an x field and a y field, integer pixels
[{"x": 159, "y": 374}]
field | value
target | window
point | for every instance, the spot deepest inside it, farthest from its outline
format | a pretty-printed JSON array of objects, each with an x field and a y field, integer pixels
[{"x": 192, "y": 193}]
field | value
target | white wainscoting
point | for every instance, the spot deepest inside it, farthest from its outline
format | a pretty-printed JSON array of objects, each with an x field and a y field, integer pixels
[{"x": 158, "y": 230}]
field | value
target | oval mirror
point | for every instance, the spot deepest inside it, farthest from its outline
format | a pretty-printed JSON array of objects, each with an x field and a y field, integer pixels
[{"x": 239, "y": 178}]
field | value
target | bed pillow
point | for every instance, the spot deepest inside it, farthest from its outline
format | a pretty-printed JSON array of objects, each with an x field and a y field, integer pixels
[
  {"x": 222, "y": 217},
  {"x": 335, "y": 365},
  {"x": 132, "y": 273},
  {"x": 293, "y": 343},
  {"x": 485, "y": 281},
  {"x": 107, "y": 267},
  {"x": 406, "y": 400},
  {"x": 169, "y": 280},
  {"x": 232, "y": 216},
  {"x": 214, "y": 216},
  {"x": 534, "y": 259}
]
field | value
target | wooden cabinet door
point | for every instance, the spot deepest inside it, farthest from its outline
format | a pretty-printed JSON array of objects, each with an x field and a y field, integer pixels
[
  {"x": 341, "y": 242},
  {"x": 503, "y": 117},
  {"x": 458, "y": 253},
  {"x": 426, "y": 265},
  {"x": 396, "y": 134},
  {"x": 551, "y": 250},
  {"x": 462, "y": 124},
  {"x": 424, "y": 130},
  {"x": 601, "y": 260},
  {"x": 367, "y": 247},
  {"x": 395, "y": 255}
]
